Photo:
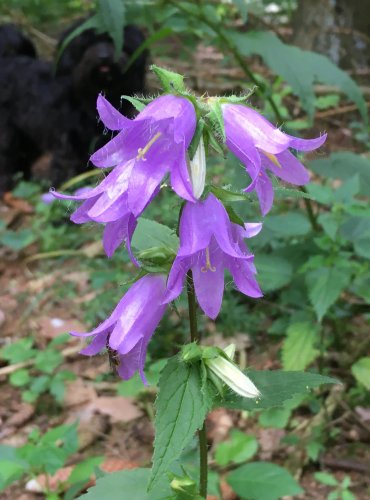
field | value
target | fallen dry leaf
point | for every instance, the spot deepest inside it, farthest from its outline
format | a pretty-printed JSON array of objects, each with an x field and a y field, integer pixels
[
  {"x": 219, "y": 424},
  {"x": 50, "y": 328},
  {"x": 269, "y": 440},
  {"x": 22, "y": 415},
  {"x": 81, "y": 278},
  {"x": 78, "y": 392},
  {"x": 18, "y": 203},
  {"x": 118, "y": 408}
]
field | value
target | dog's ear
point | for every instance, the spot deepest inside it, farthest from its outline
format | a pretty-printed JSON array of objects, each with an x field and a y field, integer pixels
[
  {"x": 74, "y": 50},
  {"x": 14, "y": 43}
]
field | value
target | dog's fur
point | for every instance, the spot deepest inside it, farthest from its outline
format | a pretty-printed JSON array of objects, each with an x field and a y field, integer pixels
[
  {"x": 14, "y": 43},
  {"x": 45, "y": 112}
]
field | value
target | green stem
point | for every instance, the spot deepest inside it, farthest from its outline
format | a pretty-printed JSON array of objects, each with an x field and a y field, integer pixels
[
  {"x": 260, "y": 88},
  {"x": 309, "y": 209},
  {"x": 202, "y": 434}
]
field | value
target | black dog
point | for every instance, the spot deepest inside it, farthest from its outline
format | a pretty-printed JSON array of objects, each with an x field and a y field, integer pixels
[
  {"x": 43, "y": 112},
  {"x": 14, "y": 43}
]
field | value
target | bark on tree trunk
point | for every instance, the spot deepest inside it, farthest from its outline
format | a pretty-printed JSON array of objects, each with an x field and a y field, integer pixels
[{"x": 339, "y": 29}]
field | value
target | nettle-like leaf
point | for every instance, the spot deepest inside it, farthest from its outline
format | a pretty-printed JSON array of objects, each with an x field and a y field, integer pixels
[
  {"x": 180, "y": 411},
  {"x": 276, "y": 388},
  {"x": 111, "y": 16},
  {"x": 344, "y": 165},
  {"x": 361, "y": 371},
  {"x": 263, "y": 481},
  {"x": 273, "y": 272},
  {"x": 130, "y": 484},
  {"x": 152, "y": 234},
  {"x": 238, "y": 449},
  {"x": 325, "y": 285},
  {"x": 300, "y": 68},
  {"x": 299, "y": 346}
]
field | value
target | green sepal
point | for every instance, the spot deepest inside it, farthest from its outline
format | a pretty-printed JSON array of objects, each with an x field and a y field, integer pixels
[
  {"x": 138, "y": 104},
  {"x": 196, "y": 138},
  {"x": 170, "y": 80},
  {"x": 216, "y": 118},
  {"x": 226, "y": 195}
]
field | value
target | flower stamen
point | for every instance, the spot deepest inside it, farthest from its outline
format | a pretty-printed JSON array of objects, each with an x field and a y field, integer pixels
[
  {"x": 208, "y": 265},
  {"x": 142, "y": 151},
  {"x": 273, "y": 158}
]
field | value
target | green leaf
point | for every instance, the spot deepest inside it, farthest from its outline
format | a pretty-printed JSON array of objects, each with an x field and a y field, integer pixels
[
  {"x": 325, "y": 478},
  {"x": 276, "y": 388},
  {"x": 325, "y": 285},
  {"x": 344, "y": 165},
  {"x": 84, "y": 470},
  {"x": 20, "y": 378},
  {"x": 239, "y": 448},
  {"x": 131, "y": 387},
  {"x": 298, "y": 347},
  {"x": 19, "y": 351},
  {"x": 277, "y": 418},
  {"x": 288, "y": 225},
  {"x": 263, "y": 481},
  {"x": 362, "y": 246},
  {"x": 111, "y": 18},
  {"x": 17, "y": 240},
  {"x": 170, "y": 80},
  {"x": 300, "y": 68},
  {"x": 180, "y": 412},
  {"x": 361, "y": 371},
  {"x": 273, "y": 272},
  {"x": 226, "y": 195},
  {"x": 130, "y": 484},
  {"x": 149, "y": 234}
]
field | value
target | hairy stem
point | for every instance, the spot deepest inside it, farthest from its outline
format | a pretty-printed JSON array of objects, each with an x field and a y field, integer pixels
[
  {"x": 309, "y": 209},
  {"x": 202, "y": 434}
]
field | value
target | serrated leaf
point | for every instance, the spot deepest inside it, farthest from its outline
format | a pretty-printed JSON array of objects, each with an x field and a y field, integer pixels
[
  {"x": 300, "y": 68},
  {"x": 180, "y": 412},
  {"x": 325, "y": 478},
  {"x": 149, "y": 234},
  {"x": 361, "y": 371},
  {"x": 299, "y": 346},
  {"x": 263, "y": 481},
  {"x": 344, "y": 165},
  {"x": 239, "y": 448},
  {"x": 130, "y": 484},
  {"x": 288, "y": 225},
  {"x": 111, "y": 17},
  {"x": 276, "y": 388},
  {"x": 276, "y": 418},
  {"x": 325, "y": 285},
  {"x": 273, "y": 272}
]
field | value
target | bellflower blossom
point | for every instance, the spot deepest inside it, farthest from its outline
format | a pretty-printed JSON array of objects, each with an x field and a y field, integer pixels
[
  {"x": 147, "y": 147},
  {"x": 152, "y": 144},
  {"x": 209, "y": 243},
  {"x": 131, "y": 325},
  {"x": 260, "y": 146}
]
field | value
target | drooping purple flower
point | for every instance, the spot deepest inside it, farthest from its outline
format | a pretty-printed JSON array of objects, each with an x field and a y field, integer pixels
[
  {"x": 155, "y": 142},
  {"x": 209, "y": 243},
  {"x": 260, "y": 146},
  {"x": 131, "y": 325},
  {"x": 107, "y": 203}
]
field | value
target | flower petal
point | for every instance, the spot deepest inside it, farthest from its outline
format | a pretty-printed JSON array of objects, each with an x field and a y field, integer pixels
[
  {"x": 110, "y": 116},
  {"x": 176, "y": 278},
  {"x": 180, "y": 176},
  {"x": 118, "y": 232},
  {"x": 265, "y": 192},
  {"x": 306, "y": 144},
  {"x": 291, "y": 169},
  {"x": 96, "y": 345},
  {"x": 209, "y": 284},
  {"x": 243, "y": 275}
]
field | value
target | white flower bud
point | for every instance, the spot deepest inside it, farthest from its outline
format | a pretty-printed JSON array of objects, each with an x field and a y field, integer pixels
[
  {"x": 231, "y": 375},
  {"x": 198, "y": 170}
]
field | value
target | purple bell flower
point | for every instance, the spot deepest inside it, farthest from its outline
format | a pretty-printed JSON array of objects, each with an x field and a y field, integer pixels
[
  {"x": 209, "y": 243},
  {"x": 131, "y": 325},
  {"x": 155, "y": 142},
  {"x": 260, "y": 146}
]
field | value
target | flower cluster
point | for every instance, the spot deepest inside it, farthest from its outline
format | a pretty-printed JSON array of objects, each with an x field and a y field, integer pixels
[{"x": 141, "y": 154}]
